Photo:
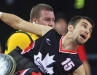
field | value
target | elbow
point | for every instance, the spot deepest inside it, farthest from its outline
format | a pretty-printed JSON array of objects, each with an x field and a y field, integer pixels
[{"x": 18, "y": 26}]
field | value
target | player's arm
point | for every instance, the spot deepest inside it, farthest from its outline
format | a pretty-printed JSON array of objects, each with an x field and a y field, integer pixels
[
  {"x": 83, "y": 57},
  {"x": 87, "y": 67},
  {"x": 79, "y": 71},
  {"x": 18, "y": 23}
]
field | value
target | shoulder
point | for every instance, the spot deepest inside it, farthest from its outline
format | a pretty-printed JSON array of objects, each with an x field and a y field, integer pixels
[{"x": 18, "y": 37}]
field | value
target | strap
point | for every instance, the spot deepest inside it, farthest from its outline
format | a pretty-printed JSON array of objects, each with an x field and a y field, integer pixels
[{"x": 22, "y": 62}]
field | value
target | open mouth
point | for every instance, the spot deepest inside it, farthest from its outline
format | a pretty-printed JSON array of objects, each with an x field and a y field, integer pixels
[{"x": 83, "y": 36}]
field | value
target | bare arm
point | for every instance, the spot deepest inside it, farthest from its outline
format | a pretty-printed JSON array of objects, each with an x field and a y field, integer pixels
[
  {"x": 87, "y": 67},
  {"x": 79, "y": 71},
  {"x": 18, "y": 23}
]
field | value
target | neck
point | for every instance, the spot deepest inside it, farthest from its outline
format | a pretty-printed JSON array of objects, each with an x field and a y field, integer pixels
[
  {"x": 68, "y": 43},
  {"x": 63, "y": 34}
]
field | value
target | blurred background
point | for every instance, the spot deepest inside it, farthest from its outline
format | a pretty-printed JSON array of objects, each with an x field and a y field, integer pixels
[{"x": 69, "y": 7}]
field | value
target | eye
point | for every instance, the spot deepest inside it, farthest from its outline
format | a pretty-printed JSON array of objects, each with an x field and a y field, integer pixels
[
  {"x": 47, "y": 19},
  {"x": 84, "y": 26}
]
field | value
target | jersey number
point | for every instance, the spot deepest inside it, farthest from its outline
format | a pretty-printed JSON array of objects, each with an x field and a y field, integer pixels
[{"x": 68, "y": 64}]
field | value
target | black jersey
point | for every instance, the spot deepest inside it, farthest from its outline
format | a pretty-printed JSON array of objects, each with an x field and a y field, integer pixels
[{"x": 48, "y": 56}]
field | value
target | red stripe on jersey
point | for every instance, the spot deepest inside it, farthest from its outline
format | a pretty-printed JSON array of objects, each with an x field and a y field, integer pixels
[
  {"x": 23, "y": 71},
  {"x": 65, "y": 51},
  {"x": 31, "y": 46},
  {"x": 33, "y": 73}
]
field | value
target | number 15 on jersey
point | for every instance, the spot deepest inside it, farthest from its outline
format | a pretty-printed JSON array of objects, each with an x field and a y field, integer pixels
[{"x": 68, "y": 64}]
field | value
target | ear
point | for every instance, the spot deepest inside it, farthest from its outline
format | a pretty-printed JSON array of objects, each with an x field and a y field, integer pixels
[
  {"x": 34, "y": 20},
  {"x": 70, "y": 28}
]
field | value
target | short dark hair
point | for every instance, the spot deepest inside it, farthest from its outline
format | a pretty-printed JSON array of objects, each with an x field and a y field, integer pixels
[
  {"x": 35, "y": 11},
  {"x": 76, "y": 19}
]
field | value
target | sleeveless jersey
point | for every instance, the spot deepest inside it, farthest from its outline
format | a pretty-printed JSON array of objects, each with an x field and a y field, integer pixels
[{"x": 48, "y": 56}]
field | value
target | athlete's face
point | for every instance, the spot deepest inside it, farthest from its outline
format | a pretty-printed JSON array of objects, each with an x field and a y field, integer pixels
[
  {"x": 46, "y": 18},
  {"x": 61, "y": 26},
  {"x": 82, "y": 31}
]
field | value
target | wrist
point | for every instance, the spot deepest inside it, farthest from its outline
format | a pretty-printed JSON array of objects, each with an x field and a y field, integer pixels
[{"x": 0, "y": 14}]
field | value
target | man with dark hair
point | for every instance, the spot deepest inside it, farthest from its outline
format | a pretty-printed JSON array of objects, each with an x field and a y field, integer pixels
[
  {"x": 61, "y": 26},
  {"x": 57, "y": 55}
]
